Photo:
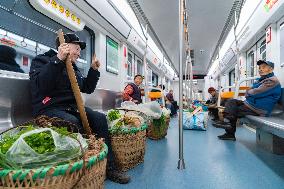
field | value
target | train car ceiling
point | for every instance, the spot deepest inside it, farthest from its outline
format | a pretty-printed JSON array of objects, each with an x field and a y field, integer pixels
[{"x": 206, "y": 22}]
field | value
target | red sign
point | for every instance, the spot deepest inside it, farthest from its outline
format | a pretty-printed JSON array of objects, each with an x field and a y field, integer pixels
[
  {"x": 124, "y": 52},
  {"x": 268, "y": 35},
  {"x": 155, "y": 60},
  {"x": 25, "y": 61}
]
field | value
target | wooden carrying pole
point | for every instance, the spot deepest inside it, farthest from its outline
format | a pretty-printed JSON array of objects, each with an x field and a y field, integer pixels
[{"x": 75, "y": 87}]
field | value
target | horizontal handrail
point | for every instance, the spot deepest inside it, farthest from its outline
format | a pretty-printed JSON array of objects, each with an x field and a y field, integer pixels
[{"x": 239, "y": 83}]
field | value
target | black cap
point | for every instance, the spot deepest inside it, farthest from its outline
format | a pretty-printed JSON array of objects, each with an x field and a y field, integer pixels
[
  {"x": 71, "y": 38},
  {"x": 271, "y": 64}
]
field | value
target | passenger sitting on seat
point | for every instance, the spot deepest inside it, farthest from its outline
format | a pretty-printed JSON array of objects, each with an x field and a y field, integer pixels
[
  {"x": 132, "y": 91},
  {"x": 52, "y": 94},
  {"x": 212, "y": 103},
  {"x": 171, "y": 103},
  {"x": 260, "y": 100},
  {"x": 7, "y": 59}
]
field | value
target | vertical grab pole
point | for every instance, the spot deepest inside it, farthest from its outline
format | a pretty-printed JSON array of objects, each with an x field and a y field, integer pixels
[
  {"x": 237, "y": 78},
  {"x": 185, "y": 74},
  {"x": 191, "y": 81},
  {"x": 181, "y": 164},
  {"x": 188, "y": 82},
  {"x": 145, "y": 66}
]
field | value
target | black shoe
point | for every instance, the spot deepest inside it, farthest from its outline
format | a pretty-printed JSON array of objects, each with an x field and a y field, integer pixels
[
  {"x": 222, "y": 125},
  {"x": 227, "y": 136},
  {"x": 117, "y": 176}
]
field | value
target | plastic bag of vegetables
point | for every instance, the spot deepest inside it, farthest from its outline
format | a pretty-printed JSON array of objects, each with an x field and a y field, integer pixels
[
  {"x": 120, "y": 120},
  {"x": 41, "y": 147}
]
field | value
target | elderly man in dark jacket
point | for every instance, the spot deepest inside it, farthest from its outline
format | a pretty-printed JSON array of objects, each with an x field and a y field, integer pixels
[
  {"x": 260, "y": 100},
  {"x": 7, "y": 59},
  {"x": 52, "y": 94}
]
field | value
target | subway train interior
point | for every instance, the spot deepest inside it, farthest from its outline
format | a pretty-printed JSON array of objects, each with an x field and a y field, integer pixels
[{"x": 202, "y": 81}]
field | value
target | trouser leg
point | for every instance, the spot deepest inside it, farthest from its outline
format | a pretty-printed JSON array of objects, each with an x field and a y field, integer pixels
[
  {"x": 99, "y": 126},
  {"x": 214, "y": 112},
  {"x": 235, "y": 109}
]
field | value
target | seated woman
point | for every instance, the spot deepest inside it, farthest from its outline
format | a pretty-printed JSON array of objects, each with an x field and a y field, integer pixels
[{"x": 212, "y": 103}]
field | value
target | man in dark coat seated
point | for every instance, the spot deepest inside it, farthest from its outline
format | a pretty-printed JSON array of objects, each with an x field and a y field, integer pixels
[
  {"x": 52, "y": 94},
  {"x": 7, "y": 59}
]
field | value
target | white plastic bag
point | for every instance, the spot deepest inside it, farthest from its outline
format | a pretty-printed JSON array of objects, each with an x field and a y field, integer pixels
[
  {"x": 151, "y": 109},
  {"x": 66, "y": 148}
]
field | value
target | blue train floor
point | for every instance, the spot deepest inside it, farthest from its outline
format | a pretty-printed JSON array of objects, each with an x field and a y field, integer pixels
[{"x": 210, "y": 163}]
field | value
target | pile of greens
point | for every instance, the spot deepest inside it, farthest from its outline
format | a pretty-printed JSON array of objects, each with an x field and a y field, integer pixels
[
  {"x": 160, "y": 125},
  {"x": 41, "y": 143},
  {"x": 124, "y": 122},
  {"x": 113, "y": 115}
]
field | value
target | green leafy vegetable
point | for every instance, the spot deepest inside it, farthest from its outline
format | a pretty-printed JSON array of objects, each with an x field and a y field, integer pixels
[{"x": 113, "y": 115}]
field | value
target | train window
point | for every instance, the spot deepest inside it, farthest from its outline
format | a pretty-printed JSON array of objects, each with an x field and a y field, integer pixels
[
  {"x": 250, "y": 64},
  {"x": 130, "y": 60},
  {"x": 154, "y": 79},
  {"x": 232, "y": 75},
  {"x": 282, "y": 44},
  {"x": 149, "y": 76},
  {"x": 32, "y": 33},
  {"x": 262, "y": 50},
  {"x": 167, "y": 85},
  {"x": 111, "y": 55},
  {"x": 139, "y": 67}
]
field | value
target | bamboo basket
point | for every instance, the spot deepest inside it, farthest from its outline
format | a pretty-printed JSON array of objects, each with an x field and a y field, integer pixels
[
  {"x": 157, "y": 132},
  {"x": 73, "y": 175},
  {"x": 129, "y": 147},
  {"x": 87, "y": 173}
]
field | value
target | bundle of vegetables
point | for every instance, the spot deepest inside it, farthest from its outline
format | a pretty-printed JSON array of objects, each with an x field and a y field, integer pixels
[
  {"x": 158, "y": 127},
  {"x": 121, "y": 121},
  {"x": 32, "y": 147}
]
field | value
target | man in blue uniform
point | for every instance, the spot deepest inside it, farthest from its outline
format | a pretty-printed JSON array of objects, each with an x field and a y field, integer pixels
[
  {"x": 260, "y": 100},
  {"x": 52, "y": 94}
]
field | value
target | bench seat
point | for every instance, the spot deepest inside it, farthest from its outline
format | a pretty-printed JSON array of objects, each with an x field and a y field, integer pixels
[{"x": 270, "y": 130}]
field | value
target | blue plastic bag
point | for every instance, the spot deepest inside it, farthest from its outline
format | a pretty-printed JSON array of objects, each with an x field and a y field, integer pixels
[{"x": 195, "y": 122}]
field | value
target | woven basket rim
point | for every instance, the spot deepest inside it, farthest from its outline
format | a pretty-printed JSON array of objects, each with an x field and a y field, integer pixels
[{"x": 58, "y": 170}]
